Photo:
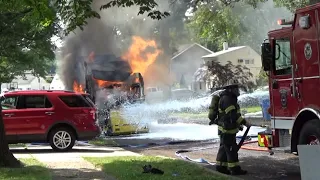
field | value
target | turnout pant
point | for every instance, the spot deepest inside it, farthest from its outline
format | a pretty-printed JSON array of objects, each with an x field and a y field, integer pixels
[{"x": 228, "y": 151}]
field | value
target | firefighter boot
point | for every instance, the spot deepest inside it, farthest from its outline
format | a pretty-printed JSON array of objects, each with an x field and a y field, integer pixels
[
  {"x": 237, "y": 171},
  {"x": 222, "y": 169}
]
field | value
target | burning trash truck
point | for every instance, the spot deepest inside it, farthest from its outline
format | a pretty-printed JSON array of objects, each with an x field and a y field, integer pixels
[
  {"x": 113, "y": 80},
  {"x": 111, "y": 84}
]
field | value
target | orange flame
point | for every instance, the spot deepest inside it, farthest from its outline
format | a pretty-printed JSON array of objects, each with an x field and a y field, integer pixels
[
  {"x": 139, "y": 56},
  {"x": 102, "y": 83},
  {"x": 77, "y": 87}
]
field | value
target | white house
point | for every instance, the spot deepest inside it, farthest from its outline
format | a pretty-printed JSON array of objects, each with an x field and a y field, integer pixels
[
  {"x": 186, "y": 61},
  {"x": 27, "y": 82},
  {"x": 240, "y": 55},
  {"x": 57, "y": 83}
]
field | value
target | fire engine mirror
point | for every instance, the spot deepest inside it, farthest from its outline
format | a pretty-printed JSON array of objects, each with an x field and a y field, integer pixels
[
  {"x": 266, "y": 56},
  {"x": 304, "y": 22}
]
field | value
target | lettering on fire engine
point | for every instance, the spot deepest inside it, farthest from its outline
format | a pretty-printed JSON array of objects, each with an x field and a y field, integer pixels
[
  {"x": 307, "y": 51},
  {"x": 283, "y": 97}
]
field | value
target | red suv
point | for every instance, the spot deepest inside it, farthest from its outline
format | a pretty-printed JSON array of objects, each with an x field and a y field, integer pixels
[{"x": 57, "y": 117}]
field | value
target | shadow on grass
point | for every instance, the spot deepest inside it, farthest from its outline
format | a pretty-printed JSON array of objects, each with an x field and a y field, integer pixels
[
  {"x": 267, "y": 168},
  {"x": 33, "y": 170},
  {"x": 80, "y": 173},
  {"x": 124, "y": 168}
]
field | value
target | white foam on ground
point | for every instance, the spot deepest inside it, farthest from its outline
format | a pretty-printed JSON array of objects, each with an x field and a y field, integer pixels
[
  {"x": 182, "y": 131},
  {"x": 259, "y": 113}
]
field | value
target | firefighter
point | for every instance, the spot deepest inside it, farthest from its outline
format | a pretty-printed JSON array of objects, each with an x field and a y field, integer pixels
[{"x": 229, "y": 122}]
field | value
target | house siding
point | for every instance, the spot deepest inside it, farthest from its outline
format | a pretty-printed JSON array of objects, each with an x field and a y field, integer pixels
[
  {"x": 187, "y": 63},
  {"x": 245, "y": 53},
  {"x": 28, "y": 84}
]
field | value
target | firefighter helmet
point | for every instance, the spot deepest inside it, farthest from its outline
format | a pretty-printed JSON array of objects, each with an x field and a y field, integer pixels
[{"x": 232, "y": 83}]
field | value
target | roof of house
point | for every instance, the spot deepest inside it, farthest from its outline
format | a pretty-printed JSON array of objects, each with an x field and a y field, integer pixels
[
  {"x": 186, "y": 47},
  {"x": 57, "y": 82},
  {"x": 24, "y": 80},
  {"x": 182, "y": 48},
  {"x": 230, "y": 49}
]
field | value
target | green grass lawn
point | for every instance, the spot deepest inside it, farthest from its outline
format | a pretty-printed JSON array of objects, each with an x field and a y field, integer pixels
[
  {"x": 17, "y": 145},
  {"x": 33, "y": 170},
  {"x": 252, "y": 109},
  {"x": 103, "y": 142},
  {"x": 130, "y": 167}
]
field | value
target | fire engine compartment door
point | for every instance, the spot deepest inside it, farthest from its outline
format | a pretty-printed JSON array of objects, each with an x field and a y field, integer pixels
[
  {"x": 284, "y": 105},
  {"x": 306, "y": 42}
]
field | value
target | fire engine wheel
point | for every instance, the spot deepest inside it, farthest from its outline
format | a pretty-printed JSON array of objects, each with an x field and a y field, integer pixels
[{"x": 310, "y": 133}]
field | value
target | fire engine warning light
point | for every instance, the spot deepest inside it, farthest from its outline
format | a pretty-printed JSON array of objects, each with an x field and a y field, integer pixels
[{"x": 281, "y": 21}]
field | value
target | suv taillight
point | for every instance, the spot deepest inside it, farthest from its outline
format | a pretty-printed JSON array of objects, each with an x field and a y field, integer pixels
[{"x": 93, "y": 113}]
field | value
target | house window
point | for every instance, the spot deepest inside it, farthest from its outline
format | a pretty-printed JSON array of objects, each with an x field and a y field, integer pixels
[
  {"x": 249, "y": 61},
  {"x": 240, "y": 60}
]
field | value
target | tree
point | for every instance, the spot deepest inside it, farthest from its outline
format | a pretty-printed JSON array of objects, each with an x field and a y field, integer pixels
[
  {"x": 239, "y": 24},
  {"x": 26, "y": 30},
  {"x": 215, "y": 24},
  {"x": 292, "y": 5},
  {"x": 223, "y": 73},
  {"x": 256, "y": 22},
  {"x": 75, "y": 13}
]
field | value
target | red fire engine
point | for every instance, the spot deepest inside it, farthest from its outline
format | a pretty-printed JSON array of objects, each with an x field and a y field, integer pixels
[{"x": 290, "y": 56}]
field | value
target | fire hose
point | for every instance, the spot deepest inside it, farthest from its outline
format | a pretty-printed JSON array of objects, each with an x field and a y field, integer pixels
[{"x": 240, "y": 146}]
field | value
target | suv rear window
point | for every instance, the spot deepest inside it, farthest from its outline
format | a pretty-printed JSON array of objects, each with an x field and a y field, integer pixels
[
  {"x": 87, "y": 97},
  {"x": 75, "y": 101}
]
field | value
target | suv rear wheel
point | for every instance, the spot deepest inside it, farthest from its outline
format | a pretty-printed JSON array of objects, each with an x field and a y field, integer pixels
[{"x": 62, "y": 139}]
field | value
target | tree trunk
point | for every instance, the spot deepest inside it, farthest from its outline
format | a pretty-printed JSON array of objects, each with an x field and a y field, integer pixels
[{"x": 6, "y": 157}]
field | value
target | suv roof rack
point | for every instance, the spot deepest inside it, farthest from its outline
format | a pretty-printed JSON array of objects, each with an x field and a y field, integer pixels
[
  {"x": 68, "y": 91},
  {"x": 26, "y": 91}
]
